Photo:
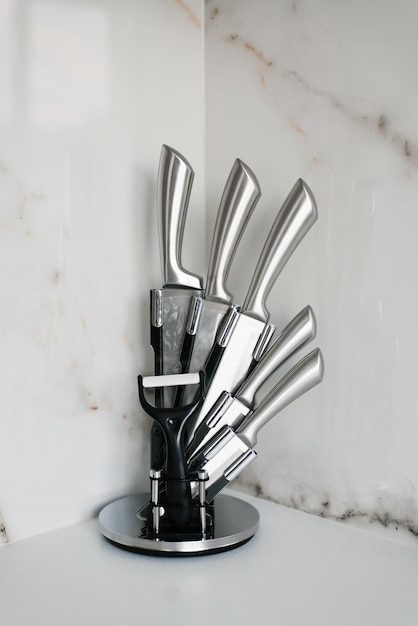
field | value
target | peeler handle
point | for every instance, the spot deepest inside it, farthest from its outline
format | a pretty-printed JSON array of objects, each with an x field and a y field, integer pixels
[{"x": 173, "y": 422}]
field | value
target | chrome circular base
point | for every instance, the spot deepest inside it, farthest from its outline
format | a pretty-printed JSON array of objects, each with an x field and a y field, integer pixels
[{"x": 236, "y": 521}]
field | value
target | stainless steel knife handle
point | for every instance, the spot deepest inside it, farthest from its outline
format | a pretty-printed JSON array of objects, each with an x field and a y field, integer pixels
[
  {"x": 238, "y": 201},
  {"x": 294, "y": 336},
  {"x": 293, "y": 221},
  {"x": 175, "y": 178},
  {"x": 302, "y": 377}
]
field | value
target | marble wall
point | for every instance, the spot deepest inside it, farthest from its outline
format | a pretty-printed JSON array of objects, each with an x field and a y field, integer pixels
[
  {"x": 327, "y": 91},
  {"x": 89, "y": 91}
]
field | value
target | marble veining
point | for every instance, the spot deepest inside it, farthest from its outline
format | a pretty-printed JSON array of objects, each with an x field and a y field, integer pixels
[
  {"x": 3, "y": 531},
  {"x": 190, "y": 12},
  {"x": 85, "y": 114},
  {"x": 11, "y": 183},
  {"x": 305, "y": 499},
  {"x": 379, "y": 124},
  {"x": 249, "y": 47},
  {"x": 326, "y": 92}
]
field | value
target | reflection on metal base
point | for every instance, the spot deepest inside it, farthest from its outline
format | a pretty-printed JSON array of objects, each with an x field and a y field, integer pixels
[{"x": 236, "y": 521}]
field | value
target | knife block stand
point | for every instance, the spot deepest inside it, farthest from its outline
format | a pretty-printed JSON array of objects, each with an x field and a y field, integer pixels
[
  {"x": 159, "y": 524},
  {"x": 174, "y": 518},
  {"x": 200, "y": 525},
  {"x": 144, "y": 523},
  {"x": 127, "y": 523}
]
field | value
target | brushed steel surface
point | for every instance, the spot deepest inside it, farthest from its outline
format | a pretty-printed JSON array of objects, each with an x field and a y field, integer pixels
[
  {"x": 301, "y": 378},
  {"x": 296, "y": 335},
  {"x": 233, "y": 365},
  {"x": 293, "y": 221},
  {"x": 229, "y": 448},
  {"x": 296, "y": 216},
  {"x": 175, "y": 179},
  {"x": 238, "y": 201},
  {"x": 227, "y": 411}
]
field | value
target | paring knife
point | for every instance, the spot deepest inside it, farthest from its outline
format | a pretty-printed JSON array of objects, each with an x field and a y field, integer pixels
[
  {"x": 229, "y": 452},
  {"x": 238, "y": 201},
  {"x": 169, "y": 306},
  {"x": 231, "y": 410},
  {"x": 293, "y": 221}
]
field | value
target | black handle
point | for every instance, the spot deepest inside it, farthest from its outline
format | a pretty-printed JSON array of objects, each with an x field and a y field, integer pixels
[
  {"x": 157, "y": 453},
  {"x": 212, "y": 363},
  {"x": 173, "y": 421},
  {"x": 185, "y": 358}
]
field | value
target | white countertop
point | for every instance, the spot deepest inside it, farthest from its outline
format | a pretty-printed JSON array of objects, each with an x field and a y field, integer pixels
[{"x": 298, "y": 569}]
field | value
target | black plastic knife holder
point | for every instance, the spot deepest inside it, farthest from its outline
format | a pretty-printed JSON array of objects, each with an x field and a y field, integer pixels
[
  {"x": 174, "y": 518},
  {"x": 158, "y": 525}
]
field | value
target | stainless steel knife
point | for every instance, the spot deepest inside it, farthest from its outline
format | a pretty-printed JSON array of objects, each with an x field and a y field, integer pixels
[
  {"x": 238, "y": 201},
  {"x": 169, "y": 306},
  {"x": 293, "y": 221},
  {"x": 175, "y": 178},
  {"x": 230, "y": 451},
  {"x": 231, "y": 410}
]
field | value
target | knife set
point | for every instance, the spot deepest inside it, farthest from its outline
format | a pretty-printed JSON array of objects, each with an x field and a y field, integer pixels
[{"x": 211, "y": 357}]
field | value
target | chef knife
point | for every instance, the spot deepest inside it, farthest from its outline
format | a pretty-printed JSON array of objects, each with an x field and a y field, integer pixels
[
  {"x": 230, "y": 410},
  {"x": 229, "y": 452},
  {"x": 238, "y": 201},
  {"x": 293, "y": 221}
]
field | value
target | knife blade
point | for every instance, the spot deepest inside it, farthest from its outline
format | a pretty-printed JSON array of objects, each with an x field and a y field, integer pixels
[
  {"x": 231, "y": 410},
  {"x": 230, "y": 451},
  {"x": 240, "y": 196},
  {"x": 294, "y": 220}
]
